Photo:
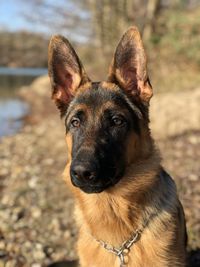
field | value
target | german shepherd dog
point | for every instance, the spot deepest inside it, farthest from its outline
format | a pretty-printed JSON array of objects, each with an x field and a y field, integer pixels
[{"x": 127, "y": 209}]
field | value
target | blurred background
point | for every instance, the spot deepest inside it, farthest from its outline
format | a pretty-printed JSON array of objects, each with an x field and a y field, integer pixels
[{"x": 36, "y": 222}]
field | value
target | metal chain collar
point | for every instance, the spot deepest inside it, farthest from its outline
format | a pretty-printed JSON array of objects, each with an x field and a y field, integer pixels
[{"x": 123, "y": 251}]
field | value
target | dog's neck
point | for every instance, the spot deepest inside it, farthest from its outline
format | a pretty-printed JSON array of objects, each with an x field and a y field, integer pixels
[{"x": 123, "y": 206}]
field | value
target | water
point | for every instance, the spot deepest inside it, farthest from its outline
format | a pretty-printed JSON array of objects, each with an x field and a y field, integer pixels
[
  {"x": 31, "y": 72},
  {"x": 12, "y": 109},
  {"x": 11, "y": 113}
]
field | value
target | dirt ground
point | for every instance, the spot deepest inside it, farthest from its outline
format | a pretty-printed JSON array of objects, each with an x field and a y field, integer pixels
[{"x": 36, "y": 209}]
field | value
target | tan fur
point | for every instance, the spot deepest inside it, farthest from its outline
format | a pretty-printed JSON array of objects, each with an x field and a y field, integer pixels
[{"x": 109, "y": 86}]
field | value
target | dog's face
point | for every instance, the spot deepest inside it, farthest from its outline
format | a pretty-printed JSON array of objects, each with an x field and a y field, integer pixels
[
  {"x": 99, "y": 121},
  {"x": 105, "y": 121}
]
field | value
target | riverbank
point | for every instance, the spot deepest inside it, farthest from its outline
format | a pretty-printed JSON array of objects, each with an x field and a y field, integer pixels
[{"x": 37, "y": 227}]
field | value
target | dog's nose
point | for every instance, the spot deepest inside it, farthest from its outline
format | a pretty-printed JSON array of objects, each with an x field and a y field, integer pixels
[{"x": 83, "y": 172}]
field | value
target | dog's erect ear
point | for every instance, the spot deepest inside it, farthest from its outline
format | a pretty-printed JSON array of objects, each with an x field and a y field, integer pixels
[
  {"x": 65, "y": 71},
  {"x": 129, "y": 67}
]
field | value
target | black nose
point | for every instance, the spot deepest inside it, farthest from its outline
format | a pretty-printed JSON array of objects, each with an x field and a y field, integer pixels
[{"x": 83, "y": 172}]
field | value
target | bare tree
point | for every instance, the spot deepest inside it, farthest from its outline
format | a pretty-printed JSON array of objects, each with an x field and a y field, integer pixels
[
  {"x": 70, "y": 17},
  {"x": 110, "y": 19},
  {"x": 152, "y": 8}
]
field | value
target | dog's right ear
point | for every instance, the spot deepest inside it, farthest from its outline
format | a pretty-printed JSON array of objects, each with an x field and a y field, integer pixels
[
  {"x": 65, "y": 71},
  {"x": 129, "y": 67}
]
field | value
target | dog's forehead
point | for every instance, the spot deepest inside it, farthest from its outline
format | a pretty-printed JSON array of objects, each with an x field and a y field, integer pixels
[
  {"x": 102, "y": 96},
  {"x": 97, "y": 94}
]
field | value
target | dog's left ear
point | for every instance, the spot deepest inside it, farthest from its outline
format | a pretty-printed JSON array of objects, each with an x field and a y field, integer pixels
[
  {"x": 65, "y": 71},
  {"x": 129, "y": 67}
]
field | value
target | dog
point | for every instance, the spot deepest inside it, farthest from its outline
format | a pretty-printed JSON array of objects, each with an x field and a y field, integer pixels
[{"x": 127, "y": 209}]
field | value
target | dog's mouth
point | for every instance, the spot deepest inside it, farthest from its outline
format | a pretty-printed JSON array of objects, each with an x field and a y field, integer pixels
[
  {"x": 93, "y": 189},
  {"x": 97, "y": 188}
]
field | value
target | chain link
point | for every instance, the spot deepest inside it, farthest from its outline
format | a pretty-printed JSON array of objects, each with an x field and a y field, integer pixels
[{"x": 124, "y": 249}]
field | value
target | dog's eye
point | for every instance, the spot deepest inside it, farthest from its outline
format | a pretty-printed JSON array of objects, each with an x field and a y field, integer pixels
[
  {"x": 75, "y": 122},
  {"x": 118, "y": 121}
]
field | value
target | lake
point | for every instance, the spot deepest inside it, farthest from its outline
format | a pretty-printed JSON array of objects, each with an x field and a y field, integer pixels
[{"x": 12, "y": 109}]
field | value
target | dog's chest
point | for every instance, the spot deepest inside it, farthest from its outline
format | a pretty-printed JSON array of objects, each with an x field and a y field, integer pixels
[{"x": 145, "y": 253}]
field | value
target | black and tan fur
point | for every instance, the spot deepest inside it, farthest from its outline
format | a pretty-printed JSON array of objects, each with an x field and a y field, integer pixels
[{"x": 113, "y": 168}]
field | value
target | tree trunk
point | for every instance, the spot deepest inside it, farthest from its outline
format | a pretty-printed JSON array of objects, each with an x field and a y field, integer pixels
[{"x": 151, "y": 11}]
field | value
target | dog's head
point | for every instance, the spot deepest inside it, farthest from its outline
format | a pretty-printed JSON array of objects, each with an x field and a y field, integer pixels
[{"x": 106, "y": 122}]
